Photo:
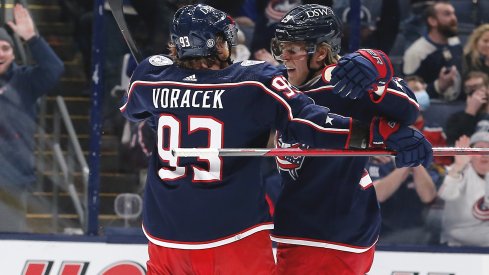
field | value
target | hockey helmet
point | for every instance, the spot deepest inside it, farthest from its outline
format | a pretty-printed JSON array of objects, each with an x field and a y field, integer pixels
[
  {"x": 195, "y": 28},
  {"x": 310, "y": 23}
]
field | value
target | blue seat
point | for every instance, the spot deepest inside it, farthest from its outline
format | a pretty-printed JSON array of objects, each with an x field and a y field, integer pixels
[{"x": 439, "y": 111}]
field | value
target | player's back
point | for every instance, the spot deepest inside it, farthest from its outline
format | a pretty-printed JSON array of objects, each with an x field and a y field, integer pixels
[{"x": 191, "y": 200}]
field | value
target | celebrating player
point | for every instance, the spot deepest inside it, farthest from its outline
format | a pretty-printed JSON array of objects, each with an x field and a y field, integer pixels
[
  {"x": 208, "y": 215},
  {"x": 327, "y": 218}
]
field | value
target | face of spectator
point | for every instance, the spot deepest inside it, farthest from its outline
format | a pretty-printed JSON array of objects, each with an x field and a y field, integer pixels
[
  {"x": 294, "y": 55},
  {"x": 416, "y": 86},
  {"x": 483, "y": 44},
  {"x": 475, "y": 84},
  {"x": 6, "y": 56},
  {"x": 446, "y": 20},
  {"x": 480, "y": 163}
]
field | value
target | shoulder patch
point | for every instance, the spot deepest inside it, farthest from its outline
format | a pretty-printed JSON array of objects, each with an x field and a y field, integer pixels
[
  {"x": 160, "y": 60},
  {"x": 251, "y": 62}
]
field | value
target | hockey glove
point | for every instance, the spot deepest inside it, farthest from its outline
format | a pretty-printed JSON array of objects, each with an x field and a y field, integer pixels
[
  {"x": 411, "y": 146},
  {"x": 361, "y": 72}
]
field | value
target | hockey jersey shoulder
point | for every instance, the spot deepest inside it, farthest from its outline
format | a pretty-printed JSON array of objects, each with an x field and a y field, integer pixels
[
  {"x": 159, "y": 60},
  {"x": 254, "y": 70},
  {"x": 151, "y": 65}
]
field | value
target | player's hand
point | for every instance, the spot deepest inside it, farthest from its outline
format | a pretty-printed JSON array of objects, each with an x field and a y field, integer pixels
[
  {"x": 364, "y": 71},
  {"x": 411, "y": 146}
]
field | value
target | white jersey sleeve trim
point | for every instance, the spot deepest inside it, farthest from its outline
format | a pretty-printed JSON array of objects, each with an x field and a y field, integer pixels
[{"x": 209, "y": 244}]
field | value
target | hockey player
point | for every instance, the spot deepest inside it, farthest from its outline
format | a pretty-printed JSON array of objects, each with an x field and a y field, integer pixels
[
  {"x": 327, "y": 218},
  {"x": 208, "y": 215}
]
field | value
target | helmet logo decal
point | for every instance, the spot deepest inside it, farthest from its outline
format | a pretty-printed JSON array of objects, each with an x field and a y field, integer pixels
[
  {"x": 287, "y": 18},
  {"x": 316, "y": 12},
  {"x": 206, "y": 9},
  {"x": 210, "y": 43}
]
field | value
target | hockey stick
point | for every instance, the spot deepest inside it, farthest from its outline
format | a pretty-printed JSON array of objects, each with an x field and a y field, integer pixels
[
  {"x": 281, "y": 152},
  {"x": 118, "y": 13}
]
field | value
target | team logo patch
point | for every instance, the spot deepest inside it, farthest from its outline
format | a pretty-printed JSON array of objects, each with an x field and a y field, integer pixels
[
  {"x": 160, "y": 60},
  {"x": 247, "y": 63},
  {"x": 290, "y": 164}
]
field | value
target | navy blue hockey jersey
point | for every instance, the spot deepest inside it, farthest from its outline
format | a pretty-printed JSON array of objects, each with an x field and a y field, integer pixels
[
  {"x": 330, "y": 202},
  {"x": 195, "y": 203}
]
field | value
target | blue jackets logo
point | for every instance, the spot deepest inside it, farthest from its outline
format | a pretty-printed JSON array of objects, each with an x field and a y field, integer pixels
[{"x": 291, "y": 164}]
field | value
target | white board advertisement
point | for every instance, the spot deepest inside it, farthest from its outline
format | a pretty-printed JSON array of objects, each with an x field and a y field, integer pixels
[{"x": 98, "y": 258}]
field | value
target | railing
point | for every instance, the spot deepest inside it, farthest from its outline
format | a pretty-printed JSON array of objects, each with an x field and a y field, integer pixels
[{"x": 64, "y": 165}]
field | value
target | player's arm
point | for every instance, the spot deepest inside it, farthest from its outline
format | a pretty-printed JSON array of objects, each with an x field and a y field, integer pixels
[
  {"x": 397, "y": 102},
  {"x": 366, "y": 75},
  {"x": 134, "y": 107},
  {"x": 316, "y": 126},
  {"x": 295, "y": 115},
  {"x": 300, "y": 120}
]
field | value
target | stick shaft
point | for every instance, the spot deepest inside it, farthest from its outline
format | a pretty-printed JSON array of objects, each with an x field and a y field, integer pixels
[
  {"x": 280, "y": 152},
  {"x": 118, "y": 13}
]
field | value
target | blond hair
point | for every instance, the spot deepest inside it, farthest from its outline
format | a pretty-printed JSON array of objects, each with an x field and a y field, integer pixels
[
  {"x": 470, "y": 48},
  {"x": 330, "y": 58}
]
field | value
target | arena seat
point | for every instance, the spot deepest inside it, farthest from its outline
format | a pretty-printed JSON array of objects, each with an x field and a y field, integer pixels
[{"x": 439, "y": 111}]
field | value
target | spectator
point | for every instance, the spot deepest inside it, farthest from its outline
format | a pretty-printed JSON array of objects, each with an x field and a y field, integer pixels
[
  {"x": 408, "y": 195},
  {"x": 466, "y": 194},
  {"x": 78, "y": 12},
  {"x": 476, "y": 51},
  {"x": 437, "y": 56},
  {"x": 21, "y": 87},
  {"x": 476, "y": 87},
  {"x": 411, "y": 25},
  {"x": 404, "y": 195},
  {"x": 434, "y": 133}
]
